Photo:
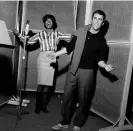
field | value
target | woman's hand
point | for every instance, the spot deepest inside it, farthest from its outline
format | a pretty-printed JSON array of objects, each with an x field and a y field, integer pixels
[{"x": 15, "y": 32}]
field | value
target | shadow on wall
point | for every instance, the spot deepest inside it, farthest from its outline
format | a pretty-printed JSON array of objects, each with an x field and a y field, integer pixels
[
  {"x": 6, "y": 86},
  {"x": 129, "y": 111},
  {"x": 104, "y": 28},
  {"x": 108, "y": 75}
]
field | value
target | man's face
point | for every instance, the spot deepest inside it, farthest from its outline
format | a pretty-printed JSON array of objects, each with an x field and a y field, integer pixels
[
  {"x": 49, "y": 23},
  {"x": 97, "y": 21}
]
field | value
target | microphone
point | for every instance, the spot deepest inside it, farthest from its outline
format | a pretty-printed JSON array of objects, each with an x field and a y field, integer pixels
[
  {"x": 25, "y": 36},
  {"x": 27, "y": 27}
]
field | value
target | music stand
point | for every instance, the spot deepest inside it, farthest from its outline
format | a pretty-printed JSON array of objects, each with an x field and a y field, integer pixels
[{"x": 6, "y": 42}]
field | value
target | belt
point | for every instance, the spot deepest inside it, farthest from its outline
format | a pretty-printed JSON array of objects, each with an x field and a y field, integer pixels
[{"x": 48, "y": 50}]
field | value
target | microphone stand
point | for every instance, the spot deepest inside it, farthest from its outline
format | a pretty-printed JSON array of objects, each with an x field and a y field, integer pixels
[
  {"x": 21, "y": 84},
  {"x": 22, "y": 80}
]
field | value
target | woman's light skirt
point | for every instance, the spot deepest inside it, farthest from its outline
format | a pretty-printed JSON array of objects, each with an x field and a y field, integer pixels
[{"x": 45, "y": 71}]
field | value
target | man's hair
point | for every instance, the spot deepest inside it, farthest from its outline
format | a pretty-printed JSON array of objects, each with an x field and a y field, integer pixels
[
  {"x": 100, "y": 12},
  {"x": 49, "y": 16}
]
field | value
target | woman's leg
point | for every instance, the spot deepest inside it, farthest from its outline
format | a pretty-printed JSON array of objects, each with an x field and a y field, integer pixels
[
  {"x": 47, "y": 95},
  {"x": 39, "y": 94}
]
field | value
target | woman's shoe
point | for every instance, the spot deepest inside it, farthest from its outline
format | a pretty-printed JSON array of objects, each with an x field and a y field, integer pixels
[
  {"x": 38, "y": 103},
  {"x": 37, "y": 111}
]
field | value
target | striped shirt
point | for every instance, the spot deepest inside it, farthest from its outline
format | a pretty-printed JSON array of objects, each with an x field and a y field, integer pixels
[{"x": 48, "y": 42}]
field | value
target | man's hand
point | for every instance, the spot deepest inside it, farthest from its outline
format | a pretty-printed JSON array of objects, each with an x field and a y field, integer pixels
[
  {"x": 108, "y": 67},
  {"x": 52, "y": 55}
]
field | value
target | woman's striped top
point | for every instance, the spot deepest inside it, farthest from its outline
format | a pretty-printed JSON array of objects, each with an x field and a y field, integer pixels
[{"x": 48, "y": 41}]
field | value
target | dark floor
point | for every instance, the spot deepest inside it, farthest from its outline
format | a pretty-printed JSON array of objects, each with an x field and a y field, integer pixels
[{"x": 41, "y": 122}]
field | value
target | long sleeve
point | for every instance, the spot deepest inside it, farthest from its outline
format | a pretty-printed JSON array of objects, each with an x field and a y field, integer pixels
[
  {"x": 63, "y": 36},
  {"x": 29, "y": 47},
  {"x": 70, "y": 47},
  {"x": 102, "y": 55},
  {"x": 31, "y": 39}
]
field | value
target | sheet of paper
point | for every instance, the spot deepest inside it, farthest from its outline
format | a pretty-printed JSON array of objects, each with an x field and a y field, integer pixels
[{"x": 4, "y": 35}]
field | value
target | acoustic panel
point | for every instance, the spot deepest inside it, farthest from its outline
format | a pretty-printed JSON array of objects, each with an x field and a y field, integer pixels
[
  {"x": 108, "y": 96},
  {"x": 8, "y": 13},
  {"x": 120, "y": 16},
  {"x": 81, "y": 11}
]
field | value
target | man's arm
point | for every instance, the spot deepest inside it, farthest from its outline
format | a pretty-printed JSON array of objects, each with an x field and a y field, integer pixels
[
  {"x": 66, "y": 50},
  {"x": 61, "y": 52},
  {"x": 58, "y": 53}
]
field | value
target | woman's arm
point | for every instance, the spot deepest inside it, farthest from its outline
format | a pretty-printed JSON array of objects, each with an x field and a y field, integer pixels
[
  {"x": 30, "y": 39},
  {"x": 68, "y": 49},
  {"x": 63, "y": 36},
  {"x": 28, "y": 47}
]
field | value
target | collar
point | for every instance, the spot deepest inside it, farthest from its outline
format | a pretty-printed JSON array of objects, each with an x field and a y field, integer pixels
[{"x": 45, "y": 30}]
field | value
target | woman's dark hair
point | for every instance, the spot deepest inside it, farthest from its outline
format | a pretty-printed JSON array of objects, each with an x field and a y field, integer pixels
[
  {"x": 49, "y": 16},
  {"x": 100, "y": 12}
]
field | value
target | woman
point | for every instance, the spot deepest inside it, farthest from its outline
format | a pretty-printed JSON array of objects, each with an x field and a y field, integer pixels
[{"x": 48, "y": 39}]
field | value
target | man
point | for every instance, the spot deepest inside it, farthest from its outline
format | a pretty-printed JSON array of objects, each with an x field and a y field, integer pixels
[
  {"x": 89, "y": 52},
  {"x": 47, "y": 40}
]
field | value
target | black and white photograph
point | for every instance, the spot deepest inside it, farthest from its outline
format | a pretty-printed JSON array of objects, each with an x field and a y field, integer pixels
[{"x": 66, "y": 65}]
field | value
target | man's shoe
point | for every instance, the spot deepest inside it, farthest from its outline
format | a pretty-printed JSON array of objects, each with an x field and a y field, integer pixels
[
  {"x": 59, "y": 127},
  {"x": 45, "y": 110},
  {"x": 76, "y": 128}
]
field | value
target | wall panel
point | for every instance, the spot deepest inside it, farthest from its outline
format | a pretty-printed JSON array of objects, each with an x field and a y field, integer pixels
[
  {"x": 81, "y": 11},
  {"x": 108, "y": 95},
  {"x": 120, "y": 16},
  {"x": 8, "y": 14}
]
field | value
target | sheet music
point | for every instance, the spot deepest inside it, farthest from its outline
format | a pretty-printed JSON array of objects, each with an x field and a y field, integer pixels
[{"x": 4, "y": 35}]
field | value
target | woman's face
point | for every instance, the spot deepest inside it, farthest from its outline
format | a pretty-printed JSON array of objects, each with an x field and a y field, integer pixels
[{"x": 48, "y": 23}]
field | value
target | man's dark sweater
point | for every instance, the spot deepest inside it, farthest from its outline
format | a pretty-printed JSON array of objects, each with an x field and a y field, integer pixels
[{"x": 95, "y": 50}]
